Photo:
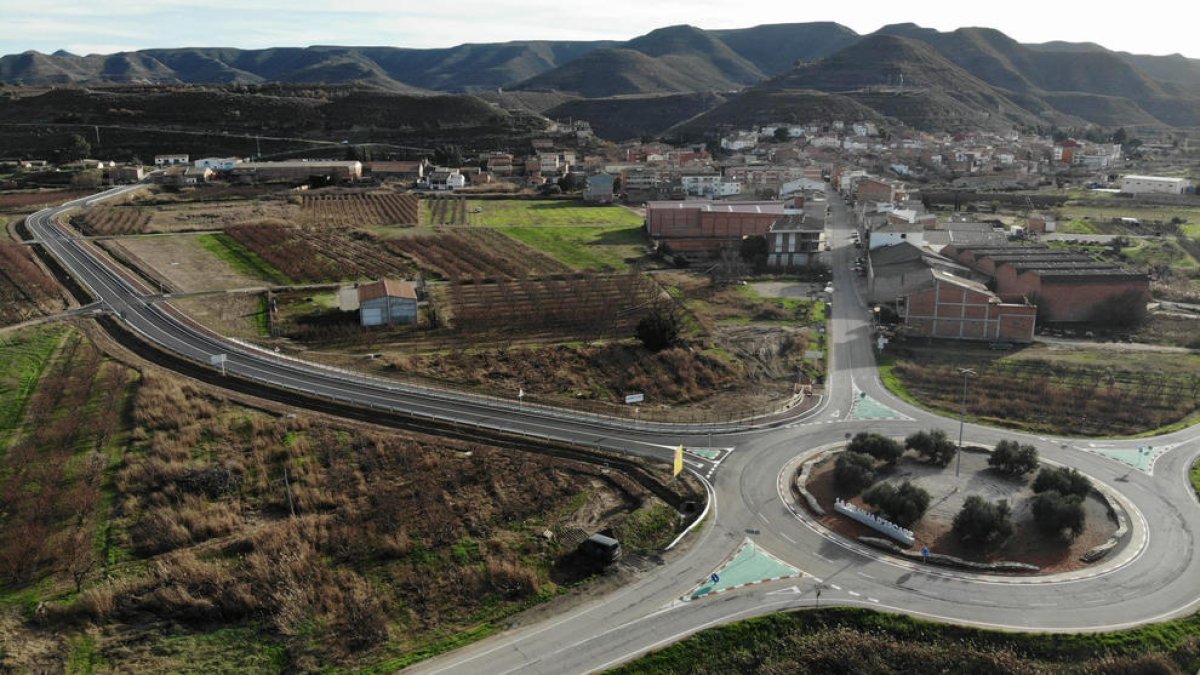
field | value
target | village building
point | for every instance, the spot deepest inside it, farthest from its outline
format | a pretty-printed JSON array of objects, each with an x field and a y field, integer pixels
[{"x": 387, "y": 302}]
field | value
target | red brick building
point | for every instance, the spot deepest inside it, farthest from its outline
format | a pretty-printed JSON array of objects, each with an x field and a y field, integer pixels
[
  {"x": 705, "y": 227},
  {"x": 955, "y": 308},
  {"x": 1066, "y": 286}
]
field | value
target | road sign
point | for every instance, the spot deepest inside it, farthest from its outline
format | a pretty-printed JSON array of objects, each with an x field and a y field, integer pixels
[
  {"x": 715, "y": 577},
  {"x": 677, "y": 466},
  {"x": 634, "y": 398},
  {"x": 924, "y": 551},
  {"x": 218, "y": 360}
]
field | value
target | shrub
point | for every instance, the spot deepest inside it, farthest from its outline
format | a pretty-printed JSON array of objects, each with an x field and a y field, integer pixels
[
  {"x": 981, "y": 522},
  {"x": 1063, "y": 481},
  {"x": 904, "y": 505},
  {"x": 1013, "y": 458},
  {"x": 878, "y": 446},
  {"x": 853, "y": 471},
  {"x": 933, "y": 445},
  {"x": 1059, "y": 515},
  {"x": 659, "y": 329}
]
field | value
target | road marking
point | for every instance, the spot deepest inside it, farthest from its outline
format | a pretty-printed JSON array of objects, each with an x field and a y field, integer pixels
[
  {"x": 784, "y": 535},
  {"x": 1043, "y": 604},
  {"x": 854, "y": 593},
  {"x": 822, "y": 557},
  {"x": 864, "y": 574},
  {"x": 835, "y": 587},
  {"x": 870, "y": 599},
  {"x": 764, "y": 518}
]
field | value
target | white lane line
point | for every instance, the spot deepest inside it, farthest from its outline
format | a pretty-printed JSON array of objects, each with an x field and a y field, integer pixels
[
  {"x": 784, "y": 535},
  {"x": 835, "y": 587},
  {"x": 764, "y": 518},
  {"x": 864, "y": 574},
  {"x": 870, "y": 599},
  {"x": 855, "y": 594}
]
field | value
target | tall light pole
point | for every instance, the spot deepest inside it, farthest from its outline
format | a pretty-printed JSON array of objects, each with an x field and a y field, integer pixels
[{"x": 962, "y": 419}]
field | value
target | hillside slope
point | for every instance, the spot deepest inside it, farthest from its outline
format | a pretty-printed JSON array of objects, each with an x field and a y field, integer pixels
[{"x": 678, "y": 59}]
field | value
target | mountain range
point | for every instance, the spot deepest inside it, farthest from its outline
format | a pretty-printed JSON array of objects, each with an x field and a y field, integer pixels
[{"x": 970, "y": 77}]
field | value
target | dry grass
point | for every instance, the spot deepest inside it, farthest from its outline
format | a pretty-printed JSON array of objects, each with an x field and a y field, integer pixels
[{"x": 335, "y": 546}]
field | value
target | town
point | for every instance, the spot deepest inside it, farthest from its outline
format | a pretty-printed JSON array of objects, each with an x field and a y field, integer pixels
[{"x": 775, "y": 349}]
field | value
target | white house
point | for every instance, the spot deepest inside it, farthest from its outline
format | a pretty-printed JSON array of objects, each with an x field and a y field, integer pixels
[
  {"x": 1153, "y": 184},
  {"x": 444, "y": 179},
  {"x": 170, "y": 160},
  {"x": 216, "y": 163}
]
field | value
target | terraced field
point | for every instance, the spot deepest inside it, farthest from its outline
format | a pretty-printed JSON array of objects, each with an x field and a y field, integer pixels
[
  {"x": 25, "y": 290},
  {"x": 317, "y": 255},
  {"x": 587, "y": 304},
  {"x": 475, "y": 253},
  {"x": 359, "y": 209}
]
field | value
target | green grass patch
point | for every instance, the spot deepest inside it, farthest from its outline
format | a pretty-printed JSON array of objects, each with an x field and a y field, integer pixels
[
  {"x": 650, "y": 528},
  {"x": 547, "y": 212},
  {"x": 85, "y": 657},
  {"x": 240, "y": 258},
  {"x": 23, "y": 358},
  {"x": 861, "y": 640},
  {"x": 1195, "y": 476},
  {"x": 584, "y": 247}
]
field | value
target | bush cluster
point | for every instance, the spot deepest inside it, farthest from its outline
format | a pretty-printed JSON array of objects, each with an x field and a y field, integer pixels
[
  {"x": 880, "y": 447},
  {"x": 933, "y": 446},
  {"x": 982, "y": 523},
  {"x": 1013, "y": 459},
  {"x": 903, "y": 506}
]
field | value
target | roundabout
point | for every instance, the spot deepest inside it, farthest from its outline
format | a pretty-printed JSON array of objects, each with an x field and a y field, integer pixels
[{"x": 1124, "y": 531}]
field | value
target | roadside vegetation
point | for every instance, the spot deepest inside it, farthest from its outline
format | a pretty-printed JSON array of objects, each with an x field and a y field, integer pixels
[
  {"x": 150, "y": 526},
  {"x": 1195, "y": 476},
  {"x": 845, "y": 640},
  {"x": 1090, "y": 392}
]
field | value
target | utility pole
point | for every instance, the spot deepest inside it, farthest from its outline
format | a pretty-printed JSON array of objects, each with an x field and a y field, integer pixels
[{"x": 962, "y": 419}]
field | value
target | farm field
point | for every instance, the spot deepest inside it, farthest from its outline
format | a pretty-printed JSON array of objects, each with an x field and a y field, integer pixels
[
  {"x": 1102, "y": 391},
  {"x": 547, "y": 213},
  {"x": 359, "y": 209},
  {"x": 184, "y": 263},
  {"x": 239, "y": 315},
  {"x": 578, "y": 304},
  {"x": 172, "y": 530},
  {"x": 584, "y": 247},
  {"x": 26, "y": 354},
  {"x": 285, "y": 254},
  {"x": 21, "y": 202},
  {"x": 1091, "y": 218},
  {"x": 25, "y": 290},
  {"x": 469, "y": 253},
  {"x": 181, "y": 216}
]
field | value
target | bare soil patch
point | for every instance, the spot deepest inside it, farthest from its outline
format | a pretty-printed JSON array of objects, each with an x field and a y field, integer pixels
[
  {"x": 1027, "y": 544},
  {"x": 183, "y": 264}
]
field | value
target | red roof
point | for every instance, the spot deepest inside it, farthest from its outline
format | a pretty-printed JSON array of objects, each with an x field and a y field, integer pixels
[{"x": 386, "y": 288}]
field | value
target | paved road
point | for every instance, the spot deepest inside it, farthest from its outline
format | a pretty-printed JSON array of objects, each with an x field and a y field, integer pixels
[{"x": 1154, "y": 576}]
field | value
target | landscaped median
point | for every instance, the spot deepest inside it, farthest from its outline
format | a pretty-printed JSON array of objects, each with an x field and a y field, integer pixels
[{"x": 987, "y": 517}]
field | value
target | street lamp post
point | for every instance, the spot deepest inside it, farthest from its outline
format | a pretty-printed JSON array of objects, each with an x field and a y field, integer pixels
[{"x": 962, "y": 419}]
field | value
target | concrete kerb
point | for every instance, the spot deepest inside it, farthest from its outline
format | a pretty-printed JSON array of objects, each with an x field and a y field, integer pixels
[
  {"x": 708, "y": 504},
  {"x": 1137, "y": 533}
]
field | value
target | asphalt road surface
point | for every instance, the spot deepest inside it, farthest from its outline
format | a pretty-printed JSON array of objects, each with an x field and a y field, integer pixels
[{"x": 1152, "y": 576}]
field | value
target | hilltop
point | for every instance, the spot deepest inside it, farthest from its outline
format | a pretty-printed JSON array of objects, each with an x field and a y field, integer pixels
[{"x": 974, "y": 76}]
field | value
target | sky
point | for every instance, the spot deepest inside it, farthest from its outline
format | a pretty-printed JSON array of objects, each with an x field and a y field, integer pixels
[{"x": 109, "y": 26}]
